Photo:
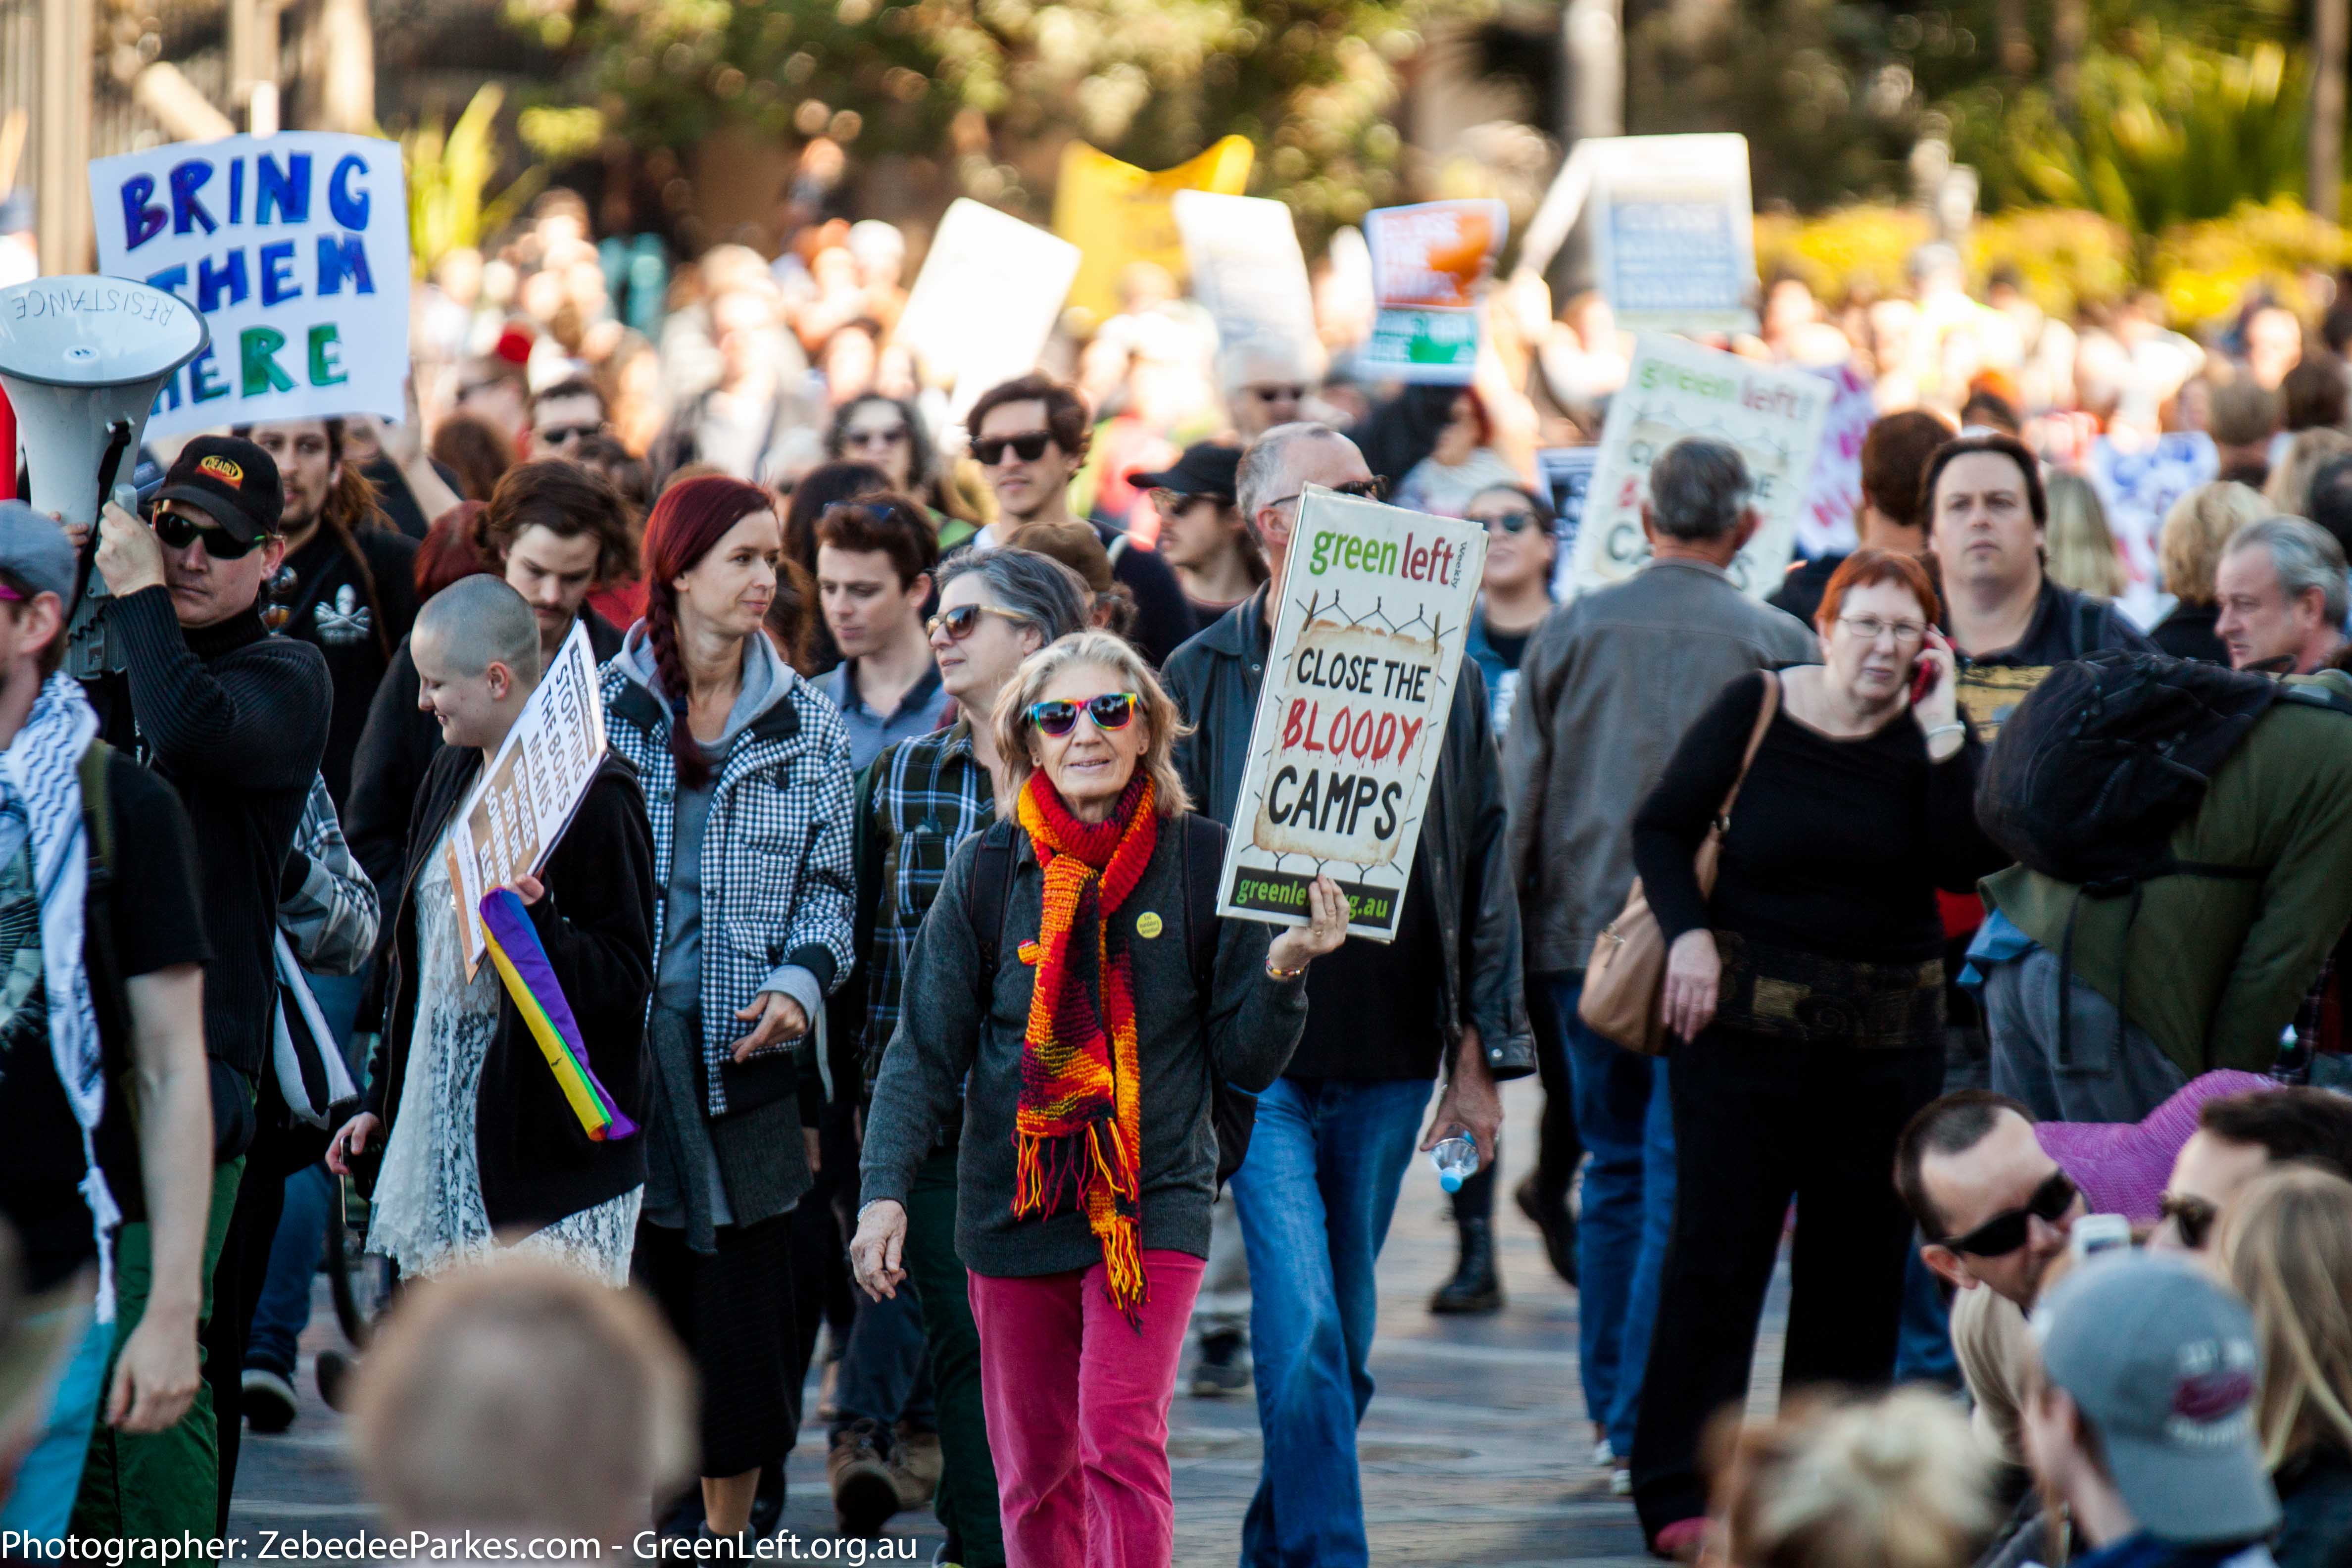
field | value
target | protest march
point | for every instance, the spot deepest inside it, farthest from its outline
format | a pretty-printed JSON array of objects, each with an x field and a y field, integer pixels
[{"x": 845, "y": 784}]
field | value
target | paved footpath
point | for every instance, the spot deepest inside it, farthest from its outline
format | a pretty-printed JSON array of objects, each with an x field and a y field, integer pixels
[{"x": 1475, "y": 1450}]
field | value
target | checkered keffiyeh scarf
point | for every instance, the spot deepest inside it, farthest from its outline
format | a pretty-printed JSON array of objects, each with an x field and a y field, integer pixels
[{"x": 1078, "y": 1130}]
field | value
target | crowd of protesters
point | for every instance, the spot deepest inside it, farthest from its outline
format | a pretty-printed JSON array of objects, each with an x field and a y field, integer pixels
[{"x": 927, "y": 717}]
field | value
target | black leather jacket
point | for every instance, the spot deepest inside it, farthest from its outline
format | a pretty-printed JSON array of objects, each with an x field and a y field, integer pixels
[{"x": 1465, "y": 837}]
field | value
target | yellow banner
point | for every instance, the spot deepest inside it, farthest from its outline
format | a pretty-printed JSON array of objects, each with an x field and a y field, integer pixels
[{"x": 1116, "y": 214}]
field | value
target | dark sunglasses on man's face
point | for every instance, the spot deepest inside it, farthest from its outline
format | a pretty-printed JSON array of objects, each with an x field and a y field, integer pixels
[
  {"x": 1028, "y": 447},
  {"x": 1111, "y": 710},
  {"x": 1278, "y": 394},
  {"x": 2191, "y": 1217},
  {"x": 564, "y": 434},
  {"x": 889, "y": 437},
  {"x": 2005, "y": 1233},
  {"x": 178, "y": 533}
]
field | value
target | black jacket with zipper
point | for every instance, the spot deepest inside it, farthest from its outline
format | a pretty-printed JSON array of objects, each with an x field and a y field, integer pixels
[
  {"x": 596, "y": 922},
  {"x": 1216, "y": 679}
]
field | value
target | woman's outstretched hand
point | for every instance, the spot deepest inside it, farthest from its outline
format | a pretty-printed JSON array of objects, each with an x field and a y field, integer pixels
[{"x": 1326, "y": 928}]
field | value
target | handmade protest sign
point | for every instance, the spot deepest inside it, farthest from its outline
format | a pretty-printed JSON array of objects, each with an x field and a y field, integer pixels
[
  {"x": 1834, "y": 497},
  {"x": 986, "y": 299},
  {"x": 1247, "y": 269},
  {"x": 1428, "y": 262},
  {"x": 2137, "y": 480},
  {"x": 1567, "y": 476},
  {"x": 1358, "y": 680},
  {"x": 510, "y": 822},
  {"x": 1118, "y": 215},
  {"x": 1675, "y": 389},
  {"x": 1674, "y": 231},
  {"x": 294, "y": 248}
]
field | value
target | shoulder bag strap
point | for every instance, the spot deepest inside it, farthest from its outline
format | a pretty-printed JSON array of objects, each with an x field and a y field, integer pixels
[{"x": 1764, "y": 713}]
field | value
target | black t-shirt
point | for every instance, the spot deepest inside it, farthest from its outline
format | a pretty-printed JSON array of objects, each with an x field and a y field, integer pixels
[
  {"x": 1511, "y": 647},
  {"x": 155, "y": 922},
  {"x": 1373, "y": 1009},
  {"x": 331, "y": 611},
  {"x": 2066, "y": 624},
  {"x": 1800, "y": 591}
]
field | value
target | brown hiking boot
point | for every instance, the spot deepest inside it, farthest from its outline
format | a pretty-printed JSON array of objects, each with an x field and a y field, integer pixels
[
  {"x": 864, "y": 1489},
  {"x": 915, "y": 1466}
]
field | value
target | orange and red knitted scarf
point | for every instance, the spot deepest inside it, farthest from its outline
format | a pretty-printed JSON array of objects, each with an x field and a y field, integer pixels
[{"x": 1077, "y": 1133}]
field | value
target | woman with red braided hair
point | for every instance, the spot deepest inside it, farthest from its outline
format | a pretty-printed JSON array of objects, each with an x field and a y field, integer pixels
[
  {"x": 1060, "y": 991},
  {"x": 746, "y": 774}
]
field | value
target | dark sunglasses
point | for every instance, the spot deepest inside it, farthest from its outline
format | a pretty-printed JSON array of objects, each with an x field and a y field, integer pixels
[
  {"x": 890, "y": 437},
  {"x": 1374, "y": 488},
  {"x": 1028, "y": 448},
  {"x": 564, "y": 434},
  {"x": 1278, "y": 394},
  {"x": 2005, "y": 1233},
  {"x": 1511, "y": 521},
  {"x": 964, "y": 619},
  {"x": 219, "y": 543},
  {"x": 2192, "y": 1218},
  {"x": 1111, "y": 710}
]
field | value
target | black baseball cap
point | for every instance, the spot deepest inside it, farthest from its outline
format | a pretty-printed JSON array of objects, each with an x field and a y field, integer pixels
[
  {"x": 1206, "y": 469},
  {"x": 232, "y": 481}
]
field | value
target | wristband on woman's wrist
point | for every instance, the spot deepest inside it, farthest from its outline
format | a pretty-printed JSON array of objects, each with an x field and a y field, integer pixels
[
  {"x": 1274, "y": 971},
  {"x": 1954, "y": 727}
]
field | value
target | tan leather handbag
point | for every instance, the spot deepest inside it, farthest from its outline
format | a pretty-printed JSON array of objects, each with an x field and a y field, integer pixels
[{"x": 1624, "y": 981}]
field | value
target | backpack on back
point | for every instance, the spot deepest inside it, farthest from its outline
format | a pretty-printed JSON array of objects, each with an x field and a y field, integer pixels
[
  {"x": 2100, "y": 763},
  {"x": 989, "y": 893}
]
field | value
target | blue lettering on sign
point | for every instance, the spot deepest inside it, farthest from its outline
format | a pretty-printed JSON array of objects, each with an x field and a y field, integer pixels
[
  {"x": 141, "y": 219},
  {"x": 228, "y": 277},
  {"x": 288, "y": 190},
  {"x": 277, "y": 284},
  {"x": 350, "y": 209},
  {"x": 172, "y": 279},
  {"x": 344, "y": 258},
  {"x": 187, "y": 179},
  {"x": 236, "y": 193}
]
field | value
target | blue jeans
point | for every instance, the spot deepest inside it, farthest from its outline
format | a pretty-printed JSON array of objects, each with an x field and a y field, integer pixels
[
  {"x": 46, "y": 1482},
  {"x": 885, "y": 1374},
  {"x": 1315, "y": 1198},
  {"x": 1923, "y": 1345},
  {"x": 282, "y": 1310},
  {"x": 1627, "y": 1123}
]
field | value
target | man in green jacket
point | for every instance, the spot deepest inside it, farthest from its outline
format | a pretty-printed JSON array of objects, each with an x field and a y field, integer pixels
[{"x": 2210, "y": 970}]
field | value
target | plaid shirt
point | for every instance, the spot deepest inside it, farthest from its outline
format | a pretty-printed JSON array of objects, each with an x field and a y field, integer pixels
[
  {"x": 329, "y": 918},
  {"x": 923, "y": 797}
]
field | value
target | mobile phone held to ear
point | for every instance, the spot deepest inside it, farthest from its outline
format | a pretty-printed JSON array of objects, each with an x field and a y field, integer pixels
[{"x": 1923, "y": 678}]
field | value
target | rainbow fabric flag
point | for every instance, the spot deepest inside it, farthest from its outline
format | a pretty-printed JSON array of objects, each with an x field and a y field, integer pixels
[{"x": 522, "y": 964}]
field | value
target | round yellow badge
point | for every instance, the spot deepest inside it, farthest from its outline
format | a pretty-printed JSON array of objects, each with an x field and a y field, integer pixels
[{"x": 1148, "y": 923}]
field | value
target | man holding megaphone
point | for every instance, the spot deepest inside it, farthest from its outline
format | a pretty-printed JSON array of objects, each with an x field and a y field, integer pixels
[{"x": 235, "y": 719}]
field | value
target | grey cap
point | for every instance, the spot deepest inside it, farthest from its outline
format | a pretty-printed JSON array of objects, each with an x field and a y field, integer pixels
[
  {"x": 2159, "y": 1357},
  {"x": 35, "y": 551}
]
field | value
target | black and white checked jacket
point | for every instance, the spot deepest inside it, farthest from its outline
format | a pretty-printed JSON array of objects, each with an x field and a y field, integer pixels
[{"x": 777, "y": 884}]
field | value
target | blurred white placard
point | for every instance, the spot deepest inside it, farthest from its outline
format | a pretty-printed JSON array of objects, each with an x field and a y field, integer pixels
[{"x": 990, "y": 289}]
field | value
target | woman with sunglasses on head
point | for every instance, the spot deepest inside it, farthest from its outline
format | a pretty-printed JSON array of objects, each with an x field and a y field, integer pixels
[
  {"x": 746, "y": 774},
  {"x": 1806, "y": 993},
  {"x": 889, "y": 433},
  {"x": 1084, "y": 1024}
]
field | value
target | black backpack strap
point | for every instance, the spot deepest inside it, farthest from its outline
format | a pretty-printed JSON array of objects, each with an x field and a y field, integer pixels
[
  {"x": 2087, "y": 613},
  {"x": 1203, "y": 861},
  {"x": 989, "y": 895}
]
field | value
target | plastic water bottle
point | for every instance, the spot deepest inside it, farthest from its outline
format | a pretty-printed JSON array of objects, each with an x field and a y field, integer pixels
[{"x": 1456, "y": 1159}]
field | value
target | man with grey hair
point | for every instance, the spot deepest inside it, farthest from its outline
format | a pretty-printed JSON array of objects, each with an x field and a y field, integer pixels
[
  {"x": 1334, "y": 1134},
  {"x": 2283, "y": 595},
  {"x": 1608, "y": 685}
]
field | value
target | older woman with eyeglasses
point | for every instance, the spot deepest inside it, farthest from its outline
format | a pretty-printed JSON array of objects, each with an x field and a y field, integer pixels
[
  {"x": 1807, "y": 992},
  {"x": 1061, "y": 991}
]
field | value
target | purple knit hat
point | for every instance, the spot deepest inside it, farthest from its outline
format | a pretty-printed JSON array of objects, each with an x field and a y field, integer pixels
[{"x": 2122, "y": 1166}]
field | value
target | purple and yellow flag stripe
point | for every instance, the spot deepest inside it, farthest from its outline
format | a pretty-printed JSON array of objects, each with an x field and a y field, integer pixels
[{"x": 522, "y": 964}]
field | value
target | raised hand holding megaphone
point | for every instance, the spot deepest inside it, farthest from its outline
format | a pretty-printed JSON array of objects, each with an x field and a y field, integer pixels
[{"x": 82, "y": 360}]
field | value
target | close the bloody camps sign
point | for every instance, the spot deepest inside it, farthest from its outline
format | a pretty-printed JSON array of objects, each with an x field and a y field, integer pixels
[{"x": 1360, "y": 679}]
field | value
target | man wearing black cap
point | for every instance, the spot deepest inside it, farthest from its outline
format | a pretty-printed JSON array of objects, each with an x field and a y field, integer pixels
[
  {"x": 235, "y": 719},
  {"x": 1201, "y": 534}
]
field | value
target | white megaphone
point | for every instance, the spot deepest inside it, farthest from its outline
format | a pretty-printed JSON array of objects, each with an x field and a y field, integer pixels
[{"x": 82, "y": 360}]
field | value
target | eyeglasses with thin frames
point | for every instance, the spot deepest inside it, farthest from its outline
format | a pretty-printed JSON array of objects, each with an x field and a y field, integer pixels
[{"x": 1869, "y": 628}]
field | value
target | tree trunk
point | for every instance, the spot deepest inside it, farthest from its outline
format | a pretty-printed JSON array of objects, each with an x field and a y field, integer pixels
[
  {"x": 2326, "y": 160},
  {"x": 338, "y": 67},
  {"x": 2070, "y": 30},
  {"x": 1592, "y": 55}
]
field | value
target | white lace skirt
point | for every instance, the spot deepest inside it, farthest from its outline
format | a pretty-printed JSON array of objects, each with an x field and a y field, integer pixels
[{"x": 428, "y": 1214}]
